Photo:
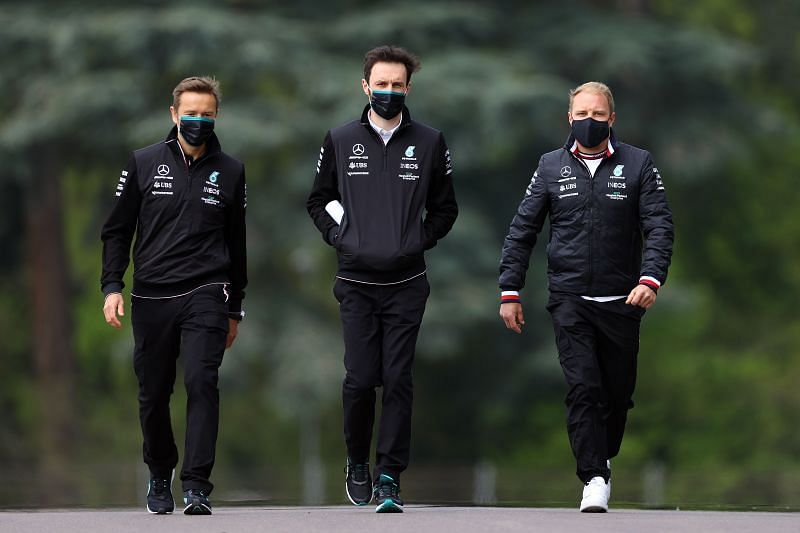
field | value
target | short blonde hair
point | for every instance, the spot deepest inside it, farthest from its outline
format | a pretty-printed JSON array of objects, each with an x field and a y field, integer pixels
[
  {"x": 196, "y": 84},
  {"x": 593, "y": 87}
]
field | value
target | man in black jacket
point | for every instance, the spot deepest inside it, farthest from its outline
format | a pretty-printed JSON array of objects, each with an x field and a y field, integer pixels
[
  {"x": 185, "y": 200},
  {"x": 382, "y": 196},
  {"x": 610, "y": 246}
]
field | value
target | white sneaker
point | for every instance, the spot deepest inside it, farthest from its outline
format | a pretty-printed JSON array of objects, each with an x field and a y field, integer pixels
[{"x": 595, "y": 496}]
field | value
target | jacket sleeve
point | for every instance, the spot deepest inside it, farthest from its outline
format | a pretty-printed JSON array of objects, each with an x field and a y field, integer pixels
[
  {"x": 235, "y": 239},
  {"x": 523, "y": 232},
  {"x": 118, "y": 231},
  {"x": 655, "y": 220},
  {"x": 441, "y": 208},
  {"x": 325, "y": 190}
]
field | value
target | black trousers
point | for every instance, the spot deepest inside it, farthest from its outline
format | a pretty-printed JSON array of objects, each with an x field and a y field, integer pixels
[
  {"x": 380, "y": 325},
  {"x": 598, "y": 345},
  {"x": 196, "y": 327}
]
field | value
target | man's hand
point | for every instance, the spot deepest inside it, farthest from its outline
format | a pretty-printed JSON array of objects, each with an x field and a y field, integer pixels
[
  {"x": 642, "y": 296},
  {"x": 511, "y": 313},
  {"x": 113, "y": 306},
  {"x": 233, "y": 330}
]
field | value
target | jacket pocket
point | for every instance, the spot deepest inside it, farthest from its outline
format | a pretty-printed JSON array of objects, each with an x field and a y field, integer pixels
[
  {"x": 209, "y": 214},
  {"x": 554, "y": 253}
]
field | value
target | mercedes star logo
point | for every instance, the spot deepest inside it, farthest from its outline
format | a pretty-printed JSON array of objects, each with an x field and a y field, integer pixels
[
  {"x": 358, "y": 149},
  {"x": 565, "y": 171},
  {"x": 163, "y": 170}
]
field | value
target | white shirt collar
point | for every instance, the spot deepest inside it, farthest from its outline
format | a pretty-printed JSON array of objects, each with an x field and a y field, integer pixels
[{"x": 385, "y": 134}]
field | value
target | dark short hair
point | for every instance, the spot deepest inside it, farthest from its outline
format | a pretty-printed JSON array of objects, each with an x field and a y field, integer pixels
[
  {"x": 391, "y": 54},
  {"x": 196, "y": 84}
]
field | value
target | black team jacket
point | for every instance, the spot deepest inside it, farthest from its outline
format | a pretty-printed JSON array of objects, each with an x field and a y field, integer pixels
[
  {"x": 608, "y": 233},
  {"x": 398, "y": 199},
  {"x": 189, "y": 222}
]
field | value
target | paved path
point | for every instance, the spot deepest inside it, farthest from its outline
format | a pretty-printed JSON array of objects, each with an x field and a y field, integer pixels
[{"x": 416, "y": 519}]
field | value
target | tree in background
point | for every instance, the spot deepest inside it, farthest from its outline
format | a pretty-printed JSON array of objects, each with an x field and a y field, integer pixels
[{"x": 85, "y": 84}]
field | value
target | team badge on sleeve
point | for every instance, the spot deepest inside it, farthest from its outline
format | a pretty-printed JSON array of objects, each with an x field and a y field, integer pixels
[
  {"x": 529, "y": 189},
  {"x": 319, "y": 161},
  {"x": 123, "y": 178},
  {"x": 659, "y": 181}
]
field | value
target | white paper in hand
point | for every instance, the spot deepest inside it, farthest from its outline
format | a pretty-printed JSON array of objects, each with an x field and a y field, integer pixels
[{"x": 335, "y": 210}]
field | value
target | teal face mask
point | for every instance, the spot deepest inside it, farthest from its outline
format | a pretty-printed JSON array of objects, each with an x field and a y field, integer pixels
[
  {"x": 387, "y": 104},
  {"x": 196, "y": 130}
]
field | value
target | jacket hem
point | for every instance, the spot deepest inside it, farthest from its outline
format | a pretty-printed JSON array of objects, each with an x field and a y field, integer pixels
[{"x": 143, "y": 289}]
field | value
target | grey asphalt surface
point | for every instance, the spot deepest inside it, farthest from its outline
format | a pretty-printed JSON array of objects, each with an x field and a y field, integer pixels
[{"x": 416, "y": 519}]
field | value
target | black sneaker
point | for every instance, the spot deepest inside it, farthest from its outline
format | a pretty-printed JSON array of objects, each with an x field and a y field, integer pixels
[
  {"x": 358, "y": 483},
  {"x": 196, "y": 502},
  {"x": 159, "y": 496},
  {"x": 387, "y": 495}
]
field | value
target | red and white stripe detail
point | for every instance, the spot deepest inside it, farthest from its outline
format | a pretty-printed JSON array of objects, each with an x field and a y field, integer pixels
[
  {"x": 509, "y": 297},
  {"x": 651, "y": 282},
  {"x": 608, "y": 152}
]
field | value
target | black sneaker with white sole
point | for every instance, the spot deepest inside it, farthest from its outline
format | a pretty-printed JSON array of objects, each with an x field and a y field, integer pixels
[
  {"x": 196, "y": 502},
  {"x": 387, "y": 495},
  {"x": 358, "y": 483},
  {"x": 159, "y": 496}
]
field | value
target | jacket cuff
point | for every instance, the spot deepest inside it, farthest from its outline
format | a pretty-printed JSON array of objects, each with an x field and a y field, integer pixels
[
  {"x": 332, "y": 235},
  {"x": 651, "y": 282},
  {"x": 428, "y": 241},
  {"x": 235, "y": 306},
  {"x": 112, "y": 287},
  {"x": 508, "y": 297}
]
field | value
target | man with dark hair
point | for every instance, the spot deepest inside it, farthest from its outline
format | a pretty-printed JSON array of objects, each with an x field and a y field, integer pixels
[
  {"x": 610, "y": 247},
  {"x": 382, "y": 196},
  {"x": 391, "y": 54},
  {"x": 185, "y": 200}
]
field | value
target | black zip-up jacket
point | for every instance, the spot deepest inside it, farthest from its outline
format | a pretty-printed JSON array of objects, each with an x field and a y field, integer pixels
[
  {"x": 189, "y": 223},
  {"x": 384, "y": 190},
  {"x": 606, "y": 233}
]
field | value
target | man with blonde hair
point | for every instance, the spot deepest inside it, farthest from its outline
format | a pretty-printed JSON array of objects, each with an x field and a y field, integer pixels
[
  {"x": 609, "y": 250},
  {"x": 185, "y": 199}
]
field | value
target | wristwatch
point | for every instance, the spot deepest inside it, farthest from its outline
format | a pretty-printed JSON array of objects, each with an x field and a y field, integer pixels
[{"x": 236, "y": 315}]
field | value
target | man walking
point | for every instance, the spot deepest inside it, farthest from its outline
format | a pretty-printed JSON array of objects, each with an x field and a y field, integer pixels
[
  {"x": 610, "y": 246},
  {"x": 382, "y": 196},
  {"x": 185, "y": 200}
]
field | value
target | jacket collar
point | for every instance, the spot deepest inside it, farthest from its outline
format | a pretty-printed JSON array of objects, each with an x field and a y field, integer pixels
[
  {"x": 613, "y": 144},
  {"x": 405, "y": 121},
  {"x": 212, "y": 144}
]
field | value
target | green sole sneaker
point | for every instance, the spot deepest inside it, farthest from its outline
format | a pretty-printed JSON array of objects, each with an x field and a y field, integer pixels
[{"x": 389, "y": 506}]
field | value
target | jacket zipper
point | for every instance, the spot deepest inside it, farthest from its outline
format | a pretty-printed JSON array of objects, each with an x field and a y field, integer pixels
[
  {"x": 194, "y": 165},
  {"x": 385, "y": 144},
  {"x": 591, "y": 216}
]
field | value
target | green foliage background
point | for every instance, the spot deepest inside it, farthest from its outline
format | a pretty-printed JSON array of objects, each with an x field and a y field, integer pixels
[{"x": 709, "y": 87}]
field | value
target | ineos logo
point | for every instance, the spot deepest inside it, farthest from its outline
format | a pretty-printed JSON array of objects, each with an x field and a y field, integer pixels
[
  {"x": 565, "y": 171},
  {"x": 358, "y": 149},
  {"x": 163, "y": 170}
]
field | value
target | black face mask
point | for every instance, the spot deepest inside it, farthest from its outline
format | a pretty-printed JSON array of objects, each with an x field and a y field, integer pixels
[
  {"x": 590, "y": 132},
  {"x": 196, "y": 130},
  {"x": 387, "y": 104}
]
